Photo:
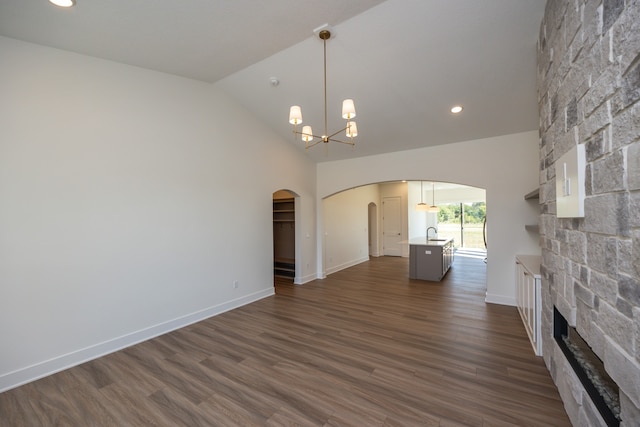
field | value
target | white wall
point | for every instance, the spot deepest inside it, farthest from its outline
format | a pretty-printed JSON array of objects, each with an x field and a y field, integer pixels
[
  {"x": 130, "y": 201},
  {"x": 460, "y": 195},
  {"x": 346, "y": 232},
  {"x": 506, "y": 166}
]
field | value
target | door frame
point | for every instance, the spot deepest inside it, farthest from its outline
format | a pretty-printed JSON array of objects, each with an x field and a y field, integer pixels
[
  {"x": 385, "y": 250},
  {"x": 296, "y": 230},
  {"x": 374, "y": 245}
]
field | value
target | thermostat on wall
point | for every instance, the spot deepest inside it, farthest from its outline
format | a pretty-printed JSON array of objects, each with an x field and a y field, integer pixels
[{"x": 570, "y": 183}]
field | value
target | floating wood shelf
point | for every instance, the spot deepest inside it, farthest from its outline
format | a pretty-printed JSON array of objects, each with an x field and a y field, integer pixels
[{"x": 535, "y": 194}]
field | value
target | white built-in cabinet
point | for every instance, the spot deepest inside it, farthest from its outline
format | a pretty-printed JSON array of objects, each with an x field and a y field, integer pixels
[{"x": 528, "y": 297}]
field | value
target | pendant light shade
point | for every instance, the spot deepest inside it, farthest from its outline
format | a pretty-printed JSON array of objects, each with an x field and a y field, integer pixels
[
  {"x": 295, "y": 115},
  {"x": 352, "y": 130},
  {"x": 307, "y": 134},
  {"x": 348, "y": 109}
]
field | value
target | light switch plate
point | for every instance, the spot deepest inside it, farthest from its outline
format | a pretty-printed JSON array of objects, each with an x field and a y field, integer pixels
[{"x": 570, "y": 171}]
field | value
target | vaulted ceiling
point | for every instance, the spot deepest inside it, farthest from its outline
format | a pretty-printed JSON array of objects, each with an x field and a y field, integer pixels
[{"x": 404, "y": 62}]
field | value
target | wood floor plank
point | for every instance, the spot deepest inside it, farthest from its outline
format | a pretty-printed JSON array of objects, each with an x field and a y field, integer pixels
[
  {"x": 367, "y": 346},
  {"x": 226, "y": 412},
  {"x": 125, "y": 403}
]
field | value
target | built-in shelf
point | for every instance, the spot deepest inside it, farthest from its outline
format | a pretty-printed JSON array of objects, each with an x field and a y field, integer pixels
[
  {"x": 283, "y": 210},
  {"x": 532, "y": 195},
  {"x": 284, "y": 213},
  {"x": 535, "y": 194},
  {"x": 284, "y": 267}
]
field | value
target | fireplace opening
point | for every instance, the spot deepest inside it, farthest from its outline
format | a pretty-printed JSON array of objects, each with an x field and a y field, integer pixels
[{"x": 604, "y": 392}]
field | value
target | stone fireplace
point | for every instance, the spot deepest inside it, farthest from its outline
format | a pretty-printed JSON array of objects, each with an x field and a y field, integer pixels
[
  {"x": 590, "y": 370},
  {"x": 589, "y": 93}
]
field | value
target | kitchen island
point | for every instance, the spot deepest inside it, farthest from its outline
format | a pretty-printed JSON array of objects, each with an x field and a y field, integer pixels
[{"x": 430, "y": 259}]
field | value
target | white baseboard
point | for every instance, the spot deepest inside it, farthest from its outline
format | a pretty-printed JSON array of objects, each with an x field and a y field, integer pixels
[
  {"x": 346, "y": 265},
  {"x": 304, "y": 279},
  {"x": 48, "y": 367},
  {"x": 500, "y": 299}
]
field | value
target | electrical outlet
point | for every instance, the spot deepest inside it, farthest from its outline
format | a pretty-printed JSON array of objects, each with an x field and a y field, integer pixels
[{"x": 235, "y": 284}]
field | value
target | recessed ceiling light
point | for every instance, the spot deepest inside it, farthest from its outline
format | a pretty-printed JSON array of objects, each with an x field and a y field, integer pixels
[
  {"x": 456, "y": 109},
  {"x": 63, "y": 3}
]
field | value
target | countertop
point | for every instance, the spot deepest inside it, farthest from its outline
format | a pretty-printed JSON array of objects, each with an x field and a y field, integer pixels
[
  {"x": 422, "y": 241},
  {"x": 531, "y": 263}
]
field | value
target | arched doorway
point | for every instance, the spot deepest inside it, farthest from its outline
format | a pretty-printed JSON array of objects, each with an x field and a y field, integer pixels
[
  {"x": 348, "y": 213},
  {"x": 284, "y": 235},
  {"x": 373, "y": 229}
]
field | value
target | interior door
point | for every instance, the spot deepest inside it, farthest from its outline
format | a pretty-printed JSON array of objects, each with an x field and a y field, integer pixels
[{"x": 391, "y": 226}]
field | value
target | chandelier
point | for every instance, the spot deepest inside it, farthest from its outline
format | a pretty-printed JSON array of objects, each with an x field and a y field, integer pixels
[{"x": 348, "y": 113}]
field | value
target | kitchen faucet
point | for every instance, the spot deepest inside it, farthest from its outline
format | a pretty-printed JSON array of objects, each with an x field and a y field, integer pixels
[{"x": 435, "y": 230}]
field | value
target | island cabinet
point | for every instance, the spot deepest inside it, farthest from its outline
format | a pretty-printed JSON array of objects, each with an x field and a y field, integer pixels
[{"x": 430, "y": 259}]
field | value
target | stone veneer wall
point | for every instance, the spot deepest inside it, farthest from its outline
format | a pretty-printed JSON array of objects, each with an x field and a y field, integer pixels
[{"x": 588, "y": 92}]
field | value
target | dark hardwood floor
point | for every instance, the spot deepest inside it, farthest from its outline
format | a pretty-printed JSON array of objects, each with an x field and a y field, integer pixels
[{"x": 365, "y": 347}]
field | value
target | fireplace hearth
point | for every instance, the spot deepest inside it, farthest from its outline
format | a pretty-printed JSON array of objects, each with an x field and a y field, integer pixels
[{"x": 588, "y": 367}]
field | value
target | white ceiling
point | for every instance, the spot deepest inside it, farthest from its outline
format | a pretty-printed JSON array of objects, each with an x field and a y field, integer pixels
[{"x": 404, "y": 62}]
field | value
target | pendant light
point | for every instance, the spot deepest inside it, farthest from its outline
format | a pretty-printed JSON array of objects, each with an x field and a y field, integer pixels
[
  {"x": 422, "y": 206},
  {"x": 433, "y": 208}
]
